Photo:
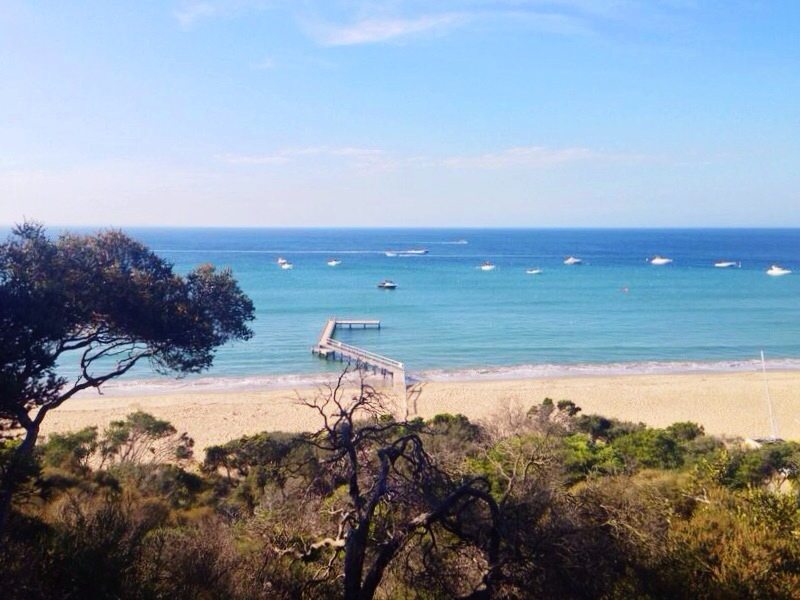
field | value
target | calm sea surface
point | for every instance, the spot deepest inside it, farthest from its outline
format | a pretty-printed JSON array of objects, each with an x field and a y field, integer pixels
[{"x": 616, "y": 309}]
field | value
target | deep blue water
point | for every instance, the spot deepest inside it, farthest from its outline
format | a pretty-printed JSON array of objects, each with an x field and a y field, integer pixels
[{"x": 447, "y": 314}]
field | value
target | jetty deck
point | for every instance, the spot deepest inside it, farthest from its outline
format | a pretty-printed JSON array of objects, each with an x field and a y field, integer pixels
[{"x": 329, "y": 348}]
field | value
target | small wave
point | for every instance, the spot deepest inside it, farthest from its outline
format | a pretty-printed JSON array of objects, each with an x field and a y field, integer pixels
[
  {"x": 549, "y": 371},
  {"x": 289, "y": 381}
]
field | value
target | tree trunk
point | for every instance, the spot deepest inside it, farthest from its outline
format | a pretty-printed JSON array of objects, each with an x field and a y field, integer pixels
[
  {"x": 15, "y": 469},
  {"x": 355, "y": 550}
]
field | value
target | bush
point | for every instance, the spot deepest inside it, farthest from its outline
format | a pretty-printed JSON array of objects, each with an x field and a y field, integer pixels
[{"x": 650, "y": 449}]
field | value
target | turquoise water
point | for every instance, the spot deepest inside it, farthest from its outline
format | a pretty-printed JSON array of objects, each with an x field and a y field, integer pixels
[{"x": 448, "y": 315}]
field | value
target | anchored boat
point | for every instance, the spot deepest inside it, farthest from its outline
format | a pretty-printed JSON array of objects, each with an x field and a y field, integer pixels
[
  {"x": 660, "y": 260},
  {"x": 777, "y": 271},
  {"x": 727, "y": 264}
]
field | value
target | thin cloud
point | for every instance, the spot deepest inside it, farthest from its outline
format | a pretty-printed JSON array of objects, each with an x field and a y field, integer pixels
[
  {"x": 286, "y": 156},
  {"x": 191, "y": 12},
  {"x": 265, "y": 64},
  {"x": 372, "y": 159},
  {"x": 371, "y": 31},
  {"x": 522, "y": 156}
]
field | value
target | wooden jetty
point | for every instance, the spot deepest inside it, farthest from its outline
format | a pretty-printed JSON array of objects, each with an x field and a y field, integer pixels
[{"x": 329, "y": 348}]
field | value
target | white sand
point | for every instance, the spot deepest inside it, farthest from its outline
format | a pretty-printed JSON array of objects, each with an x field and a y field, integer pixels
[{"x": 724, "y": 403}]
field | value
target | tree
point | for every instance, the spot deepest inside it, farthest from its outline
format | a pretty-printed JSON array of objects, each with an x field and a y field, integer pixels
[
  {"x": 392, "y": 495},
  {"x": 105, "y": 303}
]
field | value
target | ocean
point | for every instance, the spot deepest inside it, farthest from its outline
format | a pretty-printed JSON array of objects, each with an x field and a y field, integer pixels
[{"x": 616, "y": 313}]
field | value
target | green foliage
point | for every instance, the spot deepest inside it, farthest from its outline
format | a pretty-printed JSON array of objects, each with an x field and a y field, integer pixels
[
  {"x": 142, "y": 437},
  {"x": 590, "y": 508},
  {"x": 582, "y": 456},
  {"x": 740, "y": 469},
  {"x": 602, "y": 428},
  {"x": 70, "y": 451},
  {"x": 650, "y": 449},
  {"x": 685, "y": 431},
  {"x": 239, "y": 457}
]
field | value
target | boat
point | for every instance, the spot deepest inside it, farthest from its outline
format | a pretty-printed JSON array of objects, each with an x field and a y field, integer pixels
[
  {"x": 660, "y": 260},
  {"x": 390, "y": 253},
  {"x": 573, "y": 260},
  {"x": 777, "y": 271},
  {"x": 286, "y": 265},
  {"x": 387, "y": 284},
  {"x": 334, "y": 262},
  {"x": 282, "y": 261},
  {"x": 533, "y": 271},
  {"x": 487, "y": 266},
  {"x": 417, "y": 251},
  {"x": 727, "y": 264}
]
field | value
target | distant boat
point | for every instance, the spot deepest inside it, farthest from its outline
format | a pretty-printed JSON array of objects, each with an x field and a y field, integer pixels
[
  {"x": 334, "y": 262},
  {"x": 282, "y": 261},
  {"x": 390, "y": 253},
  {"x": 533, "y": 271},
  {"x": 573, "y": 260},
  {"x": 487, "y": 266},
  {"x": 660, "y": 260},
  {"x": 727, "y": 264},
  {"x": 777, "y": 271},
  {"x": 387, "y": 284},
  {"x": 286, "y": 265},
  {"x": 416, "y": 251}
]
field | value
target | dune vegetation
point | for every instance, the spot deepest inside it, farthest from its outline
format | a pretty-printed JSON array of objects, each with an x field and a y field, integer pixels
[{"x": 547, "y": 502}]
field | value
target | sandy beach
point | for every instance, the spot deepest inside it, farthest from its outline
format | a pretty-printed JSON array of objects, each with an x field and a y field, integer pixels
[{"x": 732, "y": 404}]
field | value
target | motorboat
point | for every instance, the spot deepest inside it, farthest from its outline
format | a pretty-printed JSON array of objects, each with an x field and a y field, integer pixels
[
  {"x": 387, "y": 284},
  {"x": 660, "y": 261},
  {"x": 334, "y": 262},
  {"x": 417, "y": 251},
  {"x": 287, "y": 266},
  {"x": 281, "y": 261},
  {"x": 573, "y": 260},
  {"x": 727, "y": 264},
  {"x": 777, "y": 271},
  {"x": 533, "y": 271},
  {"x": 487, "y": 266}
]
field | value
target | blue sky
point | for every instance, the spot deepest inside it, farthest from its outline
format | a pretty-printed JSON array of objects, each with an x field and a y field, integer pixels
[{"x": 400, "y": 112}]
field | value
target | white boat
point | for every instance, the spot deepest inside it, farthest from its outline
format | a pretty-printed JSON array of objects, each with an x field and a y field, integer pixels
[
  {"x": 533, "y": 271},
  {"x": 660, "y": 260},
  {"x": 390, "y": 253},
  {"x": 387, "y": 284},
  {"x": 727, "y": 264},
  {"x": 282, "y": 261},
  {"x": 573, "y": 260},
  {"x": 287, "y": 266},
  {"x": 487, "y": 266},
  {"x": 334, "y": 262},
  {"x": 777, "y": 271},
  {"x": 419, "y": 251}
]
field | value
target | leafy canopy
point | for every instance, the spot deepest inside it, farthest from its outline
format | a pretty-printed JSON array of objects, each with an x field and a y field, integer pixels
[{"x": 106, "y": 302}]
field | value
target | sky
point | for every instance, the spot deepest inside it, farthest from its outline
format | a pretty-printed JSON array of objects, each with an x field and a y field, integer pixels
[{"x": 528, "y": 113}]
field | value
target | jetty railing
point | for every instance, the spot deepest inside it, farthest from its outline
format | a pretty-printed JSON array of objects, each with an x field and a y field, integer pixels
[{"x": 327, "y": 347}]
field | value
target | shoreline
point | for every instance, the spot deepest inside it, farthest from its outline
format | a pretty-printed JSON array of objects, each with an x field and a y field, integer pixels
[
  {"x": 726, "y": 404},
  {"x": 155, "y": 386}
]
